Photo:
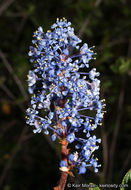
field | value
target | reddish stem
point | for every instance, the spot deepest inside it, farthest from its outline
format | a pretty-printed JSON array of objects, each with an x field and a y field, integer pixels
[
  {"x": 64, "y": 175},
  {"x": 62, "y": 182}
]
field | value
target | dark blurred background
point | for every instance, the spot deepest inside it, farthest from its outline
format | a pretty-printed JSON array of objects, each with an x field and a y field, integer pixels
[{"x": 31, "y": 161}]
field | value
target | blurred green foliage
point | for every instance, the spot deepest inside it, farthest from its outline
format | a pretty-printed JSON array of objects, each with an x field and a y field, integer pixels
[
  {"x": 29, "y": 161},
  {"x": 93, "y": 188},
  {"x": 127, "y": 180}
]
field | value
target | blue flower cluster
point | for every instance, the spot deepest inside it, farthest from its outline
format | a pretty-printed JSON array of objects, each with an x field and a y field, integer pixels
[{"x": 58, "y": 87}]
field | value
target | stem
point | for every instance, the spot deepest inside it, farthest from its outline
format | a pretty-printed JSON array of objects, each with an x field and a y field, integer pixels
[
  {"x": 62, "y": 182},
  {"x": 64, "y": 175}
]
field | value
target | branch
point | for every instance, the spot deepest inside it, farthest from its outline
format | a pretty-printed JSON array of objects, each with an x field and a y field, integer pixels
[
  {"x": 21, "y": 27},
  {"x": 7, "y": 91},
  {"x": 8, "y": 126},
  {"x": 115, "y": 135},
  {"x": 9, "y": 163},
  {"x": 11, "y": 96},
  {"x": 112, "y": 43},
  {"x": 23, "y": 137},
  {"x": 5, "y": 5},
  {"x": 11, "y": 71},
  {"x": 84, "y": 26},
  {"x": 118, "y": 119},
  {"x": 87, "y": 20}
]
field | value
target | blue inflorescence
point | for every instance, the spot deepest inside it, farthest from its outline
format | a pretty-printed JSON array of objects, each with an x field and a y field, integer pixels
[{"x": 58, "y": 87}]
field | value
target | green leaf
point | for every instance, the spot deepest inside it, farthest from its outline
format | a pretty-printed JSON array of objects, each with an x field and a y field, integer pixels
[
  {"x": 93, "y": 187},
  {"x": 127, "y": 180},
  {"x": 125, "y": 66},
  {"x": 122, "y": 65}
]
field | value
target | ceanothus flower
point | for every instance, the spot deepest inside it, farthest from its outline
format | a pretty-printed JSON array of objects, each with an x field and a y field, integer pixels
[{"x": 61, "y": 93}]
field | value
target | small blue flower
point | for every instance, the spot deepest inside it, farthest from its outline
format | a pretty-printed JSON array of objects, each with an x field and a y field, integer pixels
[
  {"x": 87, "y": 154},
  {"x": 86, "y": 54},
  {"x": 70, "y": 138},
  {"x": 53, "y": 137},
  {"x": 62, "y": 163},
  {"x": 71, "y": 157},
  {"x": 82, "y": 170},
  {"x": 93, "y": 74},
  {"x": 31, "y": 78}
]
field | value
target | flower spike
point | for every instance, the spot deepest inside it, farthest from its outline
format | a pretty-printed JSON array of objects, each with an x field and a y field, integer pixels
[{"x": 57, "y": 87}]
